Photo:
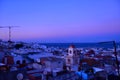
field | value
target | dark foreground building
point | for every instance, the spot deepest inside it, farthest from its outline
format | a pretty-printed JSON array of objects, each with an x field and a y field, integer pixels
[{"x": 12, "y": 75}]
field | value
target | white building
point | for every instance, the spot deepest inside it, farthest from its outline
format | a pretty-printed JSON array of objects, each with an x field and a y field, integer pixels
[
  {"x": 72, "y": 58},
  {"x": 52, "y": 63}
]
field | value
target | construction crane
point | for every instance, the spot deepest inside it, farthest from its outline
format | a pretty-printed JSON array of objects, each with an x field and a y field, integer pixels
[{"x": 9, "y": 27}]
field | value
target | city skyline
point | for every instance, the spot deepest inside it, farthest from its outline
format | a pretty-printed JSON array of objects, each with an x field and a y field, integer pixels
[{"x": 61, "y": 20}]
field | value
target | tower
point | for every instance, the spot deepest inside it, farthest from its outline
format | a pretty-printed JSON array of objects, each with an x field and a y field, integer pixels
[
  {"x": 72, "y": 57},
  {"x": 71, "y": 50}
]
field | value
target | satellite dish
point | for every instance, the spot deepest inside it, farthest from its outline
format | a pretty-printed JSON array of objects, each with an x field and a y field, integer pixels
[{"x": 20, "y": 76}]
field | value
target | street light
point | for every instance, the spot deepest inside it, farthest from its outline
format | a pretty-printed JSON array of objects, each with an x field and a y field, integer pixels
[{"x": 115, "y": 53}]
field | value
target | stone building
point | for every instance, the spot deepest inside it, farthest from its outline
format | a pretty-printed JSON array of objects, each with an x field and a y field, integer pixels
[{"x": 72, "y": 58}]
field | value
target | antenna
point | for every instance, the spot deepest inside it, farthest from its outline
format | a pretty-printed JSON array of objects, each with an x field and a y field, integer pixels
[{"x": 9, "y": 27}]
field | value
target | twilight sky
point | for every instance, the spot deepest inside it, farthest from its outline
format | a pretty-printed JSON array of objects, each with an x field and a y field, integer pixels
[{"x": 61, "y": 20}]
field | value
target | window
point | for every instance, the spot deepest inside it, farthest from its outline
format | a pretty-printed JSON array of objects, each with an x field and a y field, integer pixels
[
  {"x": 59, "y": 62},
  {"x": 70, "y": 51},
  {"x": 18, "y": 62},
  {"x": 24, "y": 61},
  {"x": 69, "y": 60}
]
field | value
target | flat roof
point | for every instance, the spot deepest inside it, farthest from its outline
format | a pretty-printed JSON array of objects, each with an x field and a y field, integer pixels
[{"x": 1, "y": 64}]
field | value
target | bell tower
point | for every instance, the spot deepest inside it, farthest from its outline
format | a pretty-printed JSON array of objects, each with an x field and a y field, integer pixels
[
  {"x": 69, "y": 58},
  {"x": 72, "y": 57},
  {"x": 71, "y": 51}
]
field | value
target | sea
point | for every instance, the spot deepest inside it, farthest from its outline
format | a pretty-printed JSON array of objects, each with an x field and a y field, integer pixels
[{"x": 82, "y": 45}]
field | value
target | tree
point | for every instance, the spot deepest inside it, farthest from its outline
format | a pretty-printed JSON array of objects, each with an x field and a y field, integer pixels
[{"x": 17, "y": 46}]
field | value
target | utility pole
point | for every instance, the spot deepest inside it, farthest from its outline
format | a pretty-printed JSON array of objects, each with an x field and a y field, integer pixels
[
  {"x": 9, "y": 40},
  {"x": 115, "y": 53},
  {"x": 9, "y": 27}
]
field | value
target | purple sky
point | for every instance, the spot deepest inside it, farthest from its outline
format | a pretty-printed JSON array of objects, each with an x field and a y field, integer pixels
[{"x": 61, "y": 20}]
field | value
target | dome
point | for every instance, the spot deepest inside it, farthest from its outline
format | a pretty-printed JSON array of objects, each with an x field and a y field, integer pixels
[{"x": 20, "y": 76}]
